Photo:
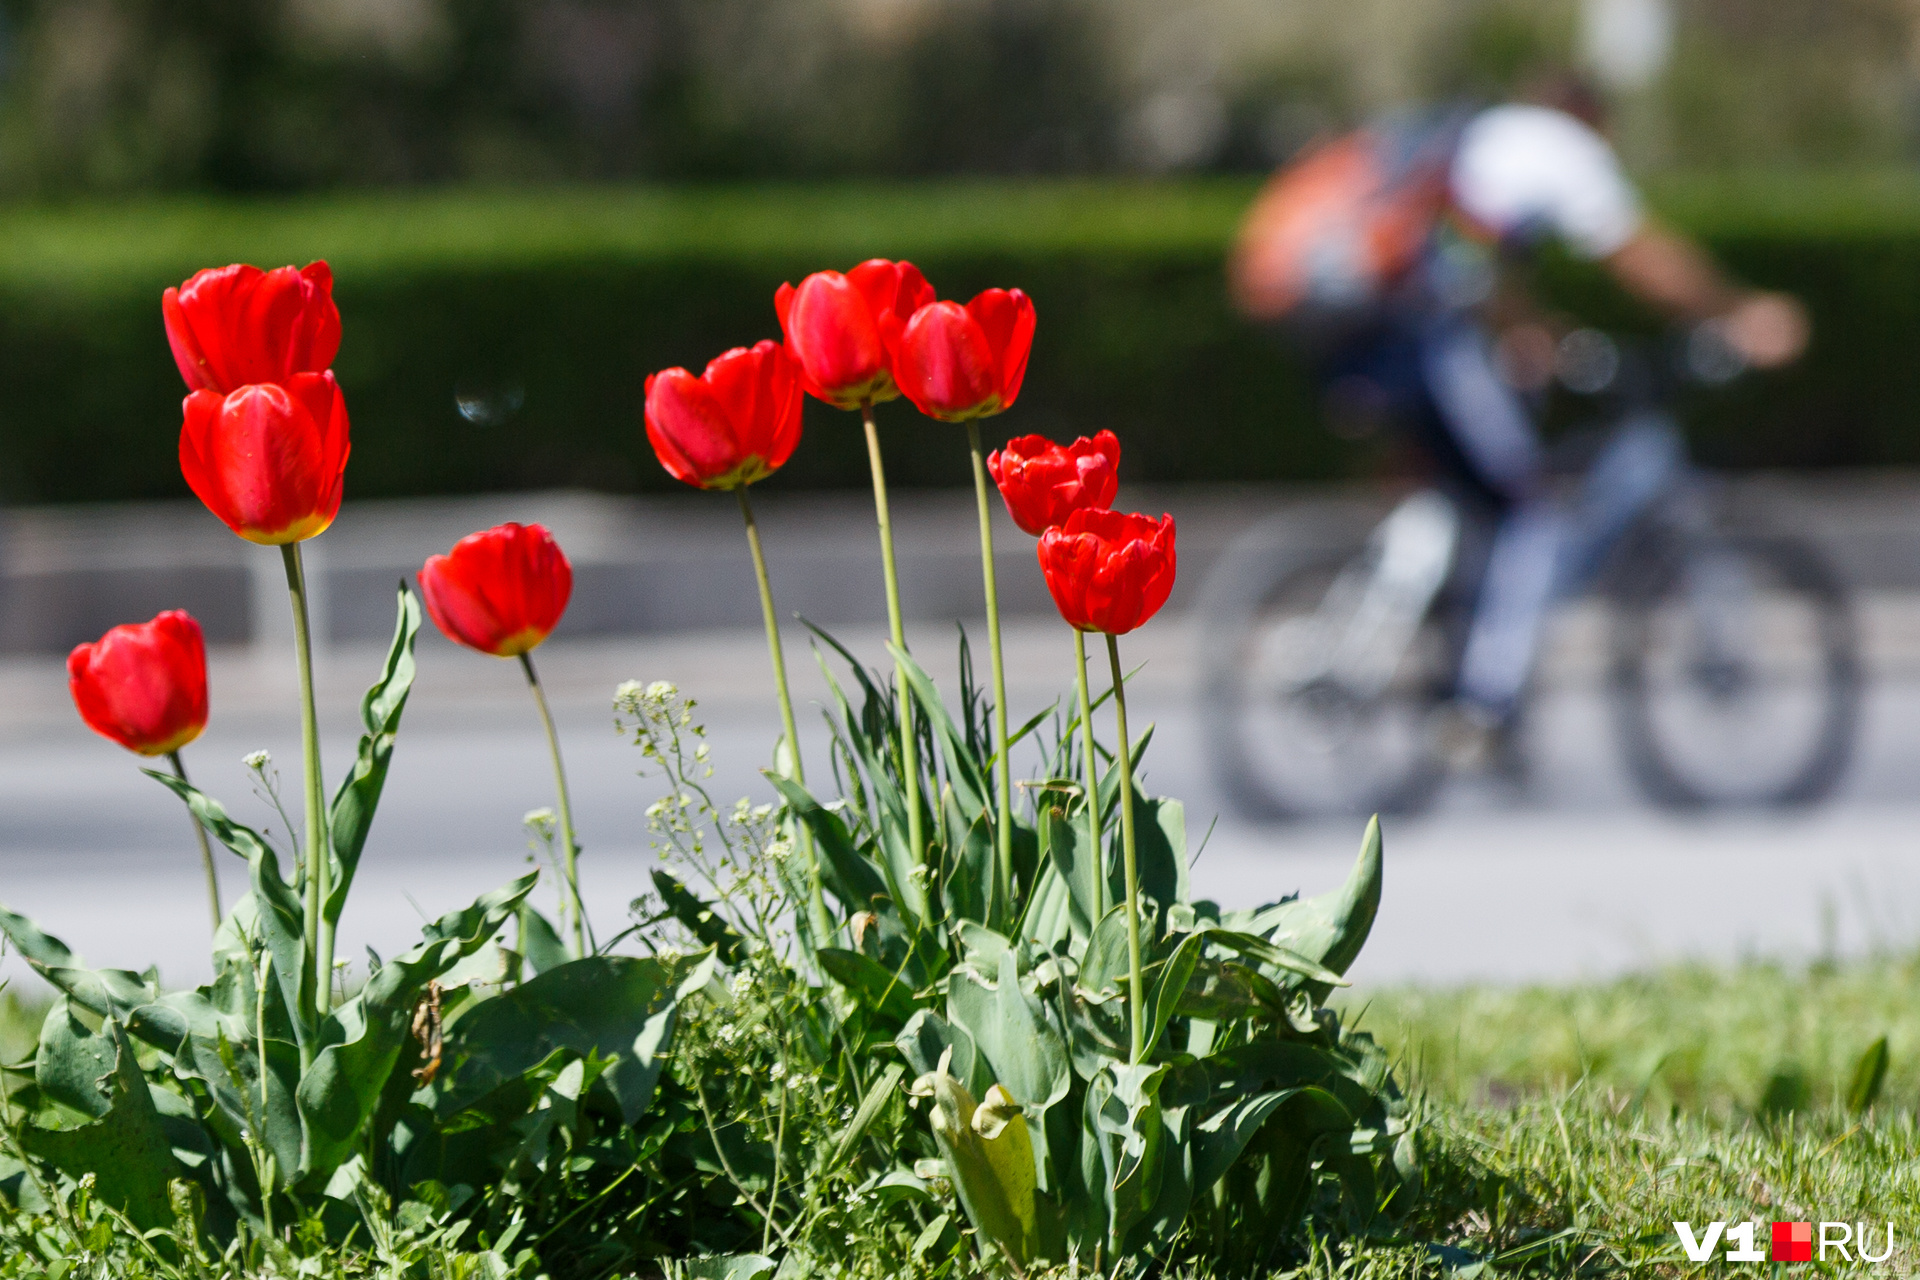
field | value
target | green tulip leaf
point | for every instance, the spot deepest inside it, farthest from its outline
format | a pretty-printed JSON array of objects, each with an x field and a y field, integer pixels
[
  {"x": 734, "y": 1266},
  {"x": 968, "y": 889},
  {"x": 351, "y": 817},
  {"x": 1264, "y": 952},
  {"x": 615, "y": 1007},
  {"x": 1220, "y": 1138},
  {"x": 125, "y": 1147},
  {"x": 361, "y": 1041},
  {"x": 1170, "y": 987},
  {"x": 540, "y": 944},
  {"x": 1069, "y": 844},
  {"x": 1330, "y": 929},
  {"x": 928, "y": 1038}
]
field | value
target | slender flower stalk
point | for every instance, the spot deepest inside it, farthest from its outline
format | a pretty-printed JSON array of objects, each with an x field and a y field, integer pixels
[
  {"x": 1003, "y": 824},
  {"x": 1136, "y": 989},
  {"x": 1098, "y": 854},
  {"x": 319, "y": 936},
  {"x": 206, "y": 850},
  {"x": 909, "y": 742},
  {"x": 571, "y": 864},
  {"x": 501, "y": 592},
  {"x": 816, "y": 903}
]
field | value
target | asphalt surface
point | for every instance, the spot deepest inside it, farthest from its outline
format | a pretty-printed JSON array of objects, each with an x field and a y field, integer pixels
[{"x": 1574, "y": 876}]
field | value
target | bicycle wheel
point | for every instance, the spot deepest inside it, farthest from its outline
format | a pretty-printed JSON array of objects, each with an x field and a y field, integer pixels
[
  {"x": 1736, "y": 673},
  {"x": 1289, "y": 738}
]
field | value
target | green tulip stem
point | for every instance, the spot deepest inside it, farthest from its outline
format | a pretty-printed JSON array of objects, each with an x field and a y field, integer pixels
[
  {"x": 319, "y": 937},
  {"x": 909, "y": 741},
  {"x": 1093, "y": 775},
  {"x": 817, "y": 904},
  {"x": 206, "y": 850},
  {"x": 1136, "y": 989},
  {"x": 568, "y": 845},
  {"x": 1003, "y": 826}
]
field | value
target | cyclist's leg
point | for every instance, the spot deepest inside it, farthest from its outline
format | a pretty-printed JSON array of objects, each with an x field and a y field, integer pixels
[{"x": 1495, "y": 441}]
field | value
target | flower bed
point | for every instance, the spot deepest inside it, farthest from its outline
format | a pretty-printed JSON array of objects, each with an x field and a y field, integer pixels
[{"x": 982, "y": 1020}]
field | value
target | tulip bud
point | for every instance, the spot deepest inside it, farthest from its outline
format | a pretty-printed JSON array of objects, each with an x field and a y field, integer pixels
[
  {"x": 957, "y": 362},
  {"x": 144, "y": 684},
  {"x": 1109, "y": 571},
  {"x": 233, "y": 326},
  {"x": 500, "y": 591},
  {"x": 1043, "y": 483},
  {"x": 736, "y": 423},
  {"x": 269, "y": 460}
]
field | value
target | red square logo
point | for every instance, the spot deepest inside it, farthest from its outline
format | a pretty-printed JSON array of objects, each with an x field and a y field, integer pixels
[{"x": 1793, "y": 1242}]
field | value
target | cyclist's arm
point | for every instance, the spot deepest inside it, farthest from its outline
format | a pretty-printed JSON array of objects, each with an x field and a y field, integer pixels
[{"x": 1668, "y": 271}]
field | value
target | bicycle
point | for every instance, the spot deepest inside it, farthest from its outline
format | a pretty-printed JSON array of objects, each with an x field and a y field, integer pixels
[{"x": 1734, "y": 674}]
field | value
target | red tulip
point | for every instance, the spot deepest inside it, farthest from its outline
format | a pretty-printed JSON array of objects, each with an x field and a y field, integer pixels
[
  {"x": 269, "y": 459},
  {"x": 1109, "y": 571},
  {"x": 500, "y": 590},
  {"x": 734, "y": 424},
  {"x": 1043, "y": 483},
  {"x": 959, "y": 362},
  {"x": 842, "y": 329},
  {"x": 144, "y": 684},
  {"x": 233, "y": 326}
]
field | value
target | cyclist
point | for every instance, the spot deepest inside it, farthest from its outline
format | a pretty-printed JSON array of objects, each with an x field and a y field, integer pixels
[{"x": 1380, "y": 254}]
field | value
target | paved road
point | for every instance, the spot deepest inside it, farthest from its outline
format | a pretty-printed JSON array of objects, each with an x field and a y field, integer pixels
[{"x": 1574, "y": 877}]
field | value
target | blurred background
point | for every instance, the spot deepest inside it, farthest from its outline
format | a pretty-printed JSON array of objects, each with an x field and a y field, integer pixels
[{"x": 529, "y": 205}]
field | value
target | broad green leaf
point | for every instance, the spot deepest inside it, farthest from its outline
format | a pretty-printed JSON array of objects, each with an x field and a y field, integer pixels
[
  {"x": 968, "y": 890},
  {"x": 540, "y": 944},
  {"x": 1124, "y": 1114},
  {"x": 351, "y": 816},
  {"x": 877, "y": 987},
  {"x": 360, "y": 1042},
  {"x": 733, "y": 1266},
  {"x": 1104, "y": 964},
  {"x": 1266, "y": 1066},
  {"x": 1170, "y": 986},
  {"x": 1219, "y": 1139},
  {"x": 72, "y": 1061},
  {"x": 1160, "y": 849},
  {"x": 1024, "y": 1050},
  {"x": 126, "y": 1149},
  {"x": 1069, "y": 844},
  {"x": 1259, "y": 949},
  {"x": 927, "y": 1038},
  {"x": 996, "y": 1176},
  {"x": 1869, "y": 1074},
  {"x": 613, "y": 1006},
  {"x": 1330, "y": 929}
]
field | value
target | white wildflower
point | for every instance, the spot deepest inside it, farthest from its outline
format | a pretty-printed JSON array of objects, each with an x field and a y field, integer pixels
[{"x": 257, "y": 760}]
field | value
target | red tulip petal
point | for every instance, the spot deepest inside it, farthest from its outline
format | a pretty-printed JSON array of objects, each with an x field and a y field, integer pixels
[
  {"x": 945, "y": 365},
  {"x": 1007, "y": 320}
]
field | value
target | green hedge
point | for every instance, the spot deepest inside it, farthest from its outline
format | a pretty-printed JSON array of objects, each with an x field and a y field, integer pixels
[{"x": 565, "y": 300}]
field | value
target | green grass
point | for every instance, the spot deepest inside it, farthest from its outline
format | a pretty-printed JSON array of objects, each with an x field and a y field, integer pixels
[
  {"x": 1566, "y": 1128},
  {"x": 1707, "y": 1039}
]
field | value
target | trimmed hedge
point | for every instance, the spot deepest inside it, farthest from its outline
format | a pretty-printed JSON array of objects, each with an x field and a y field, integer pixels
[{"x": 561, "y": 302}]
